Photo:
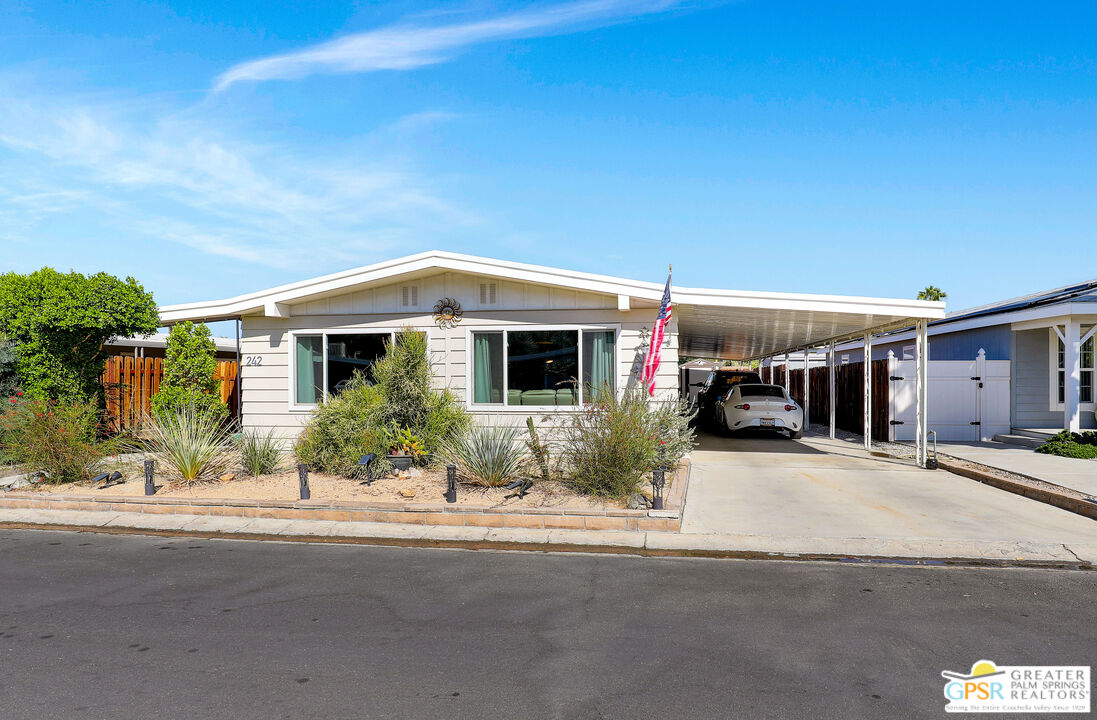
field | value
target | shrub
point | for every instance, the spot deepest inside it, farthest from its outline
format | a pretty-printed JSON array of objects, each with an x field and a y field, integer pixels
[
  {"x": 488, "y": 456},
  {"x": 405, "y": 442},
  {"x": 344, "y": 428},
  {"x": 403, "y": 379},
  {"x": 609, "y": 447},
  {"x": 260, "y": 454},
  {"x": 59, "y": 323},
  {"x": 188, "y": 445},
  {"x": 367, "y": 418},
  {"x": 57, "y": 439},
  {"x": 189, "y": 379},
  {"x": 1073, "y": 445}
]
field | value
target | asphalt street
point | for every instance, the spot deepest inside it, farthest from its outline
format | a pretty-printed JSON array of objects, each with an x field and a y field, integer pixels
[{"x": 106, "y": 626}]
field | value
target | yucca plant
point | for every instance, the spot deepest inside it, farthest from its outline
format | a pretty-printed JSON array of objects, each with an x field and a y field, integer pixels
[
  {"x": 259, "y": 453},
  {"x": 488, "y": 456},
  {"x": 189, "y": 446}
]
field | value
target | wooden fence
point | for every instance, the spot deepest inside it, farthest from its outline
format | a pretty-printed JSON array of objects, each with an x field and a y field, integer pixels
[
  {"x": 849, "y": 386},
  {"x": 130, "y": 382}
]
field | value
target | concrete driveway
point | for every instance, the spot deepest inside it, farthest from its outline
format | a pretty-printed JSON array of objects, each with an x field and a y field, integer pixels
[{"x": 823, "y": 488}]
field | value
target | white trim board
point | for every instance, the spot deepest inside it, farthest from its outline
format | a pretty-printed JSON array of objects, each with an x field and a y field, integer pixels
[{"x": 269, "y": 300}]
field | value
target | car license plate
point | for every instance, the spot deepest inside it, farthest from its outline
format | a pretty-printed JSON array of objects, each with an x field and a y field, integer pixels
[{"x": 768, "y": 422}]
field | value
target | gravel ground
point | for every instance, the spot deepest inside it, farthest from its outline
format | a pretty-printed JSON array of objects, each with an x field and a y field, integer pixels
[{"x": 422, "y": 489}]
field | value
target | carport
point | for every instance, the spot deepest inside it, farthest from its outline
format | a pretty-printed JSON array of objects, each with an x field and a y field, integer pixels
[{"x": 748, "y": 326}]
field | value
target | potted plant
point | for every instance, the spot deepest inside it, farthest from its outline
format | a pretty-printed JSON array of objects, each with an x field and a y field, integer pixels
[{"x": 407, "y": 449}]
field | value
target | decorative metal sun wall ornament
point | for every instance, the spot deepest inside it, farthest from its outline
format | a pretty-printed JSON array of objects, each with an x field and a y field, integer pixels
[{"x": 447, "y": 313}]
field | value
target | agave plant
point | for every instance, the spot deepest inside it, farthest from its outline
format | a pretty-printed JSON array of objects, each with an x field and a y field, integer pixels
[
  {"x": 259, "y": 453},
  {"x": 188, "y": 445},
  {"x": 488, "y": 456}
]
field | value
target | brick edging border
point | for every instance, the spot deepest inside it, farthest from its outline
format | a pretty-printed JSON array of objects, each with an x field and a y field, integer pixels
[
  {"x": 1066, "y": 501},
  {"x": 668, "y": 520}
]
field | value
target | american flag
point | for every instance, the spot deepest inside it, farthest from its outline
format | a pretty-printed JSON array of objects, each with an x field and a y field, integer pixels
[{"x": 655, "y": 349}]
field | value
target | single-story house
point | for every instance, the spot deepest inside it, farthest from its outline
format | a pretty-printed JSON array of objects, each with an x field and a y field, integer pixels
[
  {"x": 512, "y": 340},
  {"x": 1047, "y": 338}
]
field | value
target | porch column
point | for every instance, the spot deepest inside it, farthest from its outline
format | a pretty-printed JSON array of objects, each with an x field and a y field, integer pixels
[
  {"x": 921, "y": 366},
  {"x": 807, "y": 391},
  {"x": 1072, "y": 414},
  {"x": 831, "y": 388},
  {"x": 868, "y": 391}
]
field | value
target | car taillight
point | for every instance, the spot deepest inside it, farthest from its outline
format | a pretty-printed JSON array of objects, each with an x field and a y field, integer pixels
[
  {"x": 744, "y": 406},
  {"x": 788, "y": 408}
]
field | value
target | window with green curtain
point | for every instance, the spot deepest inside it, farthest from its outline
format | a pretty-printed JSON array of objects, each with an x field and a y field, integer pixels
[
  {"x": 309, "y": 369},
  {"x": 598, "y": 362},
  {"x": 487, "y": 380}
]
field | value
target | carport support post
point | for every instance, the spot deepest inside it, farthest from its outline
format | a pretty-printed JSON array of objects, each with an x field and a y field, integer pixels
[
  {"x": 921, "y": 367},
  {"x": 831, "y": 389},
  {"x": 785, "y": 356},
  {"x": 807, "y": 391},
  {"x": 868, "y": 391}
]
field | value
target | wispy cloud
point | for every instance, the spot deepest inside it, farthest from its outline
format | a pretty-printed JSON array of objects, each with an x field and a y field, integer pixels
[
  {"x": 404, "y": 47},
  {"x": 183, "y": 182}
]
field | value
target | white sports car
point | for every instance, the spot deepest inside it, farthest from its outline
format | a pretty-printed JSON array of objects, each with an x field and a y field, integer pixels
[{"x": 761, "y": 406}]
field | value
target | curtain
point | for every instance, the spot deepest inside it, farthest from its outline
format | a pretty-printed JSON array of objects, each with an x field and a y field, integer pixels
[
  {"x": 310, "y": 369},
  {"x": 598, "y": 365},
  {"x": 487, "y": 378}
]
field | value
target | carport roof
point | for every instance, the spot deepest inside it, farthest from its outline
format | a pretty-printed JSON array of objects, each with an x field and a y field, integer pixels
[
  {"x": 742, "y": 325},
  {"x": 727, "y": 324}
]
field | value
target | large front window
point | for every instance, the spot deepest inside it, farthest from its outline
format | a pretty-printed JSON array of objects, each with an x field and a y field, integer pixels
[
  {"x": 325, "y": 362},
  {"x": 557, "y": 368},
  {"x": 1085, "y": 362}
]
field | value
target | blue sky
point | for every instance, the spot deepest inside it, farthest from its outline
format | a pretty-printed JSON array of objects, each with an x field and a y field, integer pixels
[{"x": 210, "y": 149}]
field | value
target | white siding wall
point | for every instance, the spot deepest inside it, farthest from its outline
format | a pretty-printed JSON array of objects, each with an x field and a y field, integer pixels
[{"x": 266, "y": 388}]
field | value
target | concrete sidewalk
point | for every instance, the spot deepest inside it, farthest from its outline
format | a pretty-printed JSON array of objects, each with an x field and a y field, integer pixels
[
  {"x": 1074, "y": 473},
  {"x": 915, "y": 550}
]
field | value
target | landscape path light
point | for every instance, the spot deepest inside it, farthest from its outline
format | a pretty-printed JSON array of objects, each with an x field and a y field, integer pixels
[
  {"x": 367, "y": 463},
  {"x": 303, "y": 477},
  {"x": 658, "y": 482}
]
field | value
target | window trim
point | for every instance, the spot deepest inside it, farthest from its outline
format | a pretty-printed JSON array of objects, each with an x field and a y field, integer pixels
[
  {"x": 470, "y": 370},
  {"x": 297, "y": 407},
  {"x": 1053, "y": 374}
]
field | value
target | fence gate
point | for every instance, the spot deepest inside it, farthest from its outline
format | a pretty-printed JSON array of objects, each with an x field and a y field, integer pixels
[{"x": 968, "y": 400}]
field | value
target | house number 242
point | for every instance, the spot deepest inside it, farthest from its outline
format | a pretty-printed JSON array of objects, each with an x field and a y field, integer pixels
[{"x": 253, "y": 360}]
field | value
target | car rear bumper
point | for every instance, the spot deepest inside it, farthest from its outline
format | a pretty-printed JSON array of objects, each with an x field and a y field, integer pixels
[{"x": 788, "y": 422}]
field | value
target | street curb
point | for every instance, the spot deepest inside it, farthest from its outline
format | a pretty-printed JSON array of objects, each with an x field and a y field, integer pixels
[
  {"x": 556, "y": 547},
  {"x": 1069, "y": 500}
]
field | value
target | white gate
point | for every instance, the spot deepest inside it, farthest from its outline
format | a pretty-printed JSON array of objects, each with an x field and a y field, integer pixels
[{"x": 968, "y": 400}]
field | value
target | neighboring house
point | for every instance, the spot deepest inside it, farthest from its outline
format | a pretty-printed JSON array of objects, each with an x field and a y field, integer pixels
[
  {"x": 155, "y": 346},
  {"x": 1043, "y": 336},
  {"x": 526, "y": 340}
]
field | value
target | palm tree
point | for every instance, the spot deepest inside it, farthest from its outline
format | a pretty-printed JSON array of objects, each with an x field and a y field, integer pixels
[{"x": 932, "y": 293}]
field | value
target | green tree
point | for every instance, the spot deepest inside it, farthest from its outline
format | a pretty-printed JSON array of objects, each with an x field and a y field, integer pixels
[
  {"x": 190, "y": 373},
  {"x": 932, "y": 293},
  {"x": 59, "y": 323}
]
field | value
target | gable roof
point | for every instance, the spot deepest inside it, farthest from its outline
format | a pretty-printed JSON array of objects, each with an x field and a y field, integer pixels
[
  {"x": 1078, "y": 292},
  {"x": 410, "y": 265},
  {"x": 732, "y": 324}
]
